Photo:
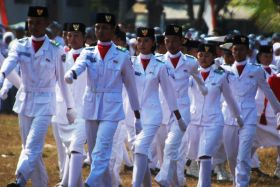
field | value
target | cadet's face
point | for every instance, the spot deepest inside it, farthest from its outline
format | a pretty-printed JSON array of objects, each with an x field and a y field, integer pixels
[
  {"x": 205, "y": 59},
  {"x": 37, "y": 26},
  {"x": 64, "y": 36},
  {"x": 265, "y": 58},
  {"x": 144, "y": 45},
  {"x": 173, "y": 44},
  {"x": 104, "y": 32},
  {"x": 75, "y": 39},
  {"x": 239, "y": 52},
  {"x": 228, "y": 58}
]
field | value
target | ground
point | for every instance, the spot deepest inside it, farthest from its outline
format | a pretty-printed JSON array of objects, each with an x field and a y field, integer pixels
[{"x": 10, "y": 146}]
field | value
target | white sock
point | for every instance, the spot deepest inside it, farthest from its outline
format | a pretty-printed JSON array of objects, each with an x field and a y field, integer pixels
[
  {"x": 204, "y": 179},
  {"x": 126, "y": 158},
  {"x": 75, "y": 169},
  {"x": 147, "y": 181},
  {"x": 139, "y": 169},
  {"x": 65, "y": 176}
]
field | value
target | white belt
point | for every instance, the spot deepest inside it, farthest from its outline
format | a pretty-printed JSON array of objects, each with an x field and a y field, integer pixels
[
  {"x": 104, "y": 90},
  {"x": 31, "y": 89}
]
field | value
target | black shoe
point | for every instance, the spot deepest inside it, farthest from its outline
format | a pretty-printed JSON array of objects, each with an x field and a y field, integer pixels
[
  {"x": 128, "y": 168},
  {"x": 155, "y": 171},
  {"x": 86, "y": 185},
  {"x": 13, "y": 184},
  {"x": 259, "y": 172}
]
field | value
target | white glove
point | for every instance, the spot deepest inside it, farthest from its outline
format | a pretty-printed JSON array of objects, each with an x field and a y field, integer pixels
[
  {"x": 203, "y": 90},
  {"x": 138, "y": 126},
  {"x": 182, "y": 124},
  {"x": 68, "y": 77},
  {"x": 4, "y": 93},
  {"x": 2, "y": 78},
  {"x": 278, "y": 121},
  {"x": 71, "y": 115},
  {"x": 240, "y": 121}
]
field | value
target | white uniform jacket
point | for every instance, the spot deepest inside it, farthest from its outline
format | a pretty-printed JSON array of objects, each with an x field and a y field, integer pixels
[
  {"x": 39, "y": 73},
  {"x": 147, "y": 83},
  {"x": 207, "y": 110},
  {"x": 105, "y": 78},
  {"x": 244, "y": 90},
  {"x": 260, "y": 96},
  {"x": 77, "y": 90},
  {"x": 180, "y": 75}
]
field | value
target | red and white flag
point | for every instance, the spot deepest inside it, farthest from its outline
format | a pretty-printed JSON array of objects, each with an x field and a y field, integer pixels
[
  {"x": 3, "y": 13},
  {"x": 209, "y": 15}
]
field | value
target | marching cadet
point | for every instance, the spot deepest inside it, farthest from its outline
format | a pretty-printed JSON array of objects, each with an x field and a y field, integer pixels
[
  {"x": 149, "y": 74},
  {"x": 267, "y": 134},
  {"x": 108, "y": 68},
  {"x": 73, "y": 136},
  {"x": 41, "y": 65},
  {"x": 180, "y": 68},
  {"x": 244, "y": 78},
  {"x": 206, "y": 126}
]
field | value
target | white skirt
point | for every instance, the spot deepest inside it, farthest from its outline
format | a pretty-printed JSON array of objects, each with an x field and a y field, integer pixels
[
  {"x": 203, "y": 140},
  {"x": 267, "y": 135}
]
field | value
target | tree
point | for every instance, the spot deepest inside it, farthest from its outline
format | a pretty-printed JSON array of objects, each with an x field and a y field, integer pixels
[{"x": 266, "y": 13}]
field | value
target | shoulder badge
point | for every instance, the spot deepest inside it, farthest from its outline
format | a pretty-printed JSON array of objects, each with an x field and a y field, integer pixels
[
  {"x": 219, "y": 71},
  {"x": 121, "y": 48},
  {"x": 55, "y": 43},
  {"x": 22, "y": 40}
]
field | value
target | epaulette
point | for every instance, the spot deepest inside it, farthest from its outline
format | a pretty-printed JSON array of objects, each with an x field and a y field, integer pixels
[
  {"x": 158, "y": 55},
  {"x": 255, "y": 64},
  {"x": 219, "y": 71},
  {"x": 159, "y": 61},
  {"x": 91, "y": 48},
  {"x": 55, "y": 43},
  {"x": 190, "y": 56},
  {"x": 22, "y": 40},
  {"x": 121, "y": 49}
]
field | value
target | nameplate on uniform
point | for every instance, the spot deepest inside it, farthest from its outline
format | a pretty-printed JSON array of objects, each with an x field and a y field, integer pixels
[
  {"x": 185, "y": 70},
  {"x": 24, "y": 54},
  {"x": 115, "y": 61},
  {"x": 251, "y": 76},
  {"x": 137, "y": 73}
]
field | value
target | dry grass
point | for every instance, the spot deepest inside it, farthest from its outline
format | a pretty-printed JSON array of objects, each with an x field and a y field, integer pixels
[{"x": 10, "y": 146}]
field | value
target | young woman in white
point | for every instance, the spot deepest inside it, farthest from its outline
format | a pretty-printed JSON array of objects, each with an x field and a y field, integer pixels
[
  {"x": 149, "y": 74},
  {"x": 206, "y": 127}
]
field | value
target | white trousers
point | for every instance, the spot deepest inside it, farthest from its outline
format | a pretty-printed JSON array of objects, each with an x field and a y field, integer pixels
[
  {"x": 33, "y": 131},
  {"x": 238, "y": 147},
  {"x": 168, "y": 171},
  {"x": 100, "y": 136},
  {"x": 145, "y": 138},
  {"x": 117, "y": 154}
]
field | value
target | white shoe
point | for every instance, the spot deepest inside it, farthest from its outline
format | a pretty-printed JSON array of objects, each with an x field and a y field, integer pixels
[
  {"x": 193, "y": 169},
  {"x": 277, "y": 171}
]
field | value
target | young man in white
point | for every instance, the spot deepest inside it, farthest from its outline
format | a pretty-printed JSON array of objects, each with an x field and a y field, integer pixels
[
  {"x": 108, "y": 68},
  {"x": 244, "y": 78},
  {"x": 180, "y": 67},
  {"x": 41, "y": 66}
]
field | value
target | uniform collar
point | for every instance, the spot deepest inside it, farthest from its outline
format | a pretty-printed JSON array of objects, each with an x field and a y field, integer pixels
[
  {"x": 38, "y": 39},
  {"x": 142, "y": 56},
  {"x": 104, "y": 43},
  {"x": 76, "y": 51},
  {"x": 173, "y": 55}
]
